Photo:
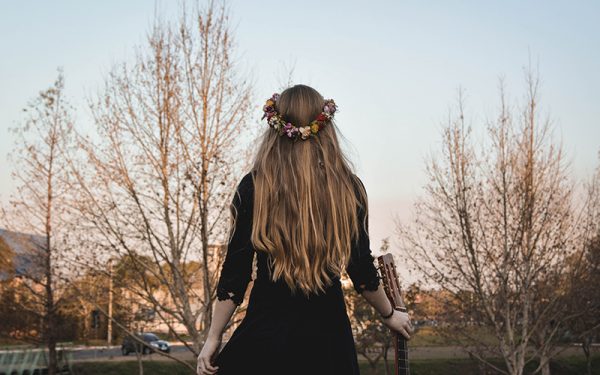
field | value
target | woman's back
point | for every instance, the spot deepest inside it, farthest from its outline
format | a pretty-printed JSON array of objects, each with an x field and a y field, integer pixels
[{"x": 283, "y": 330}]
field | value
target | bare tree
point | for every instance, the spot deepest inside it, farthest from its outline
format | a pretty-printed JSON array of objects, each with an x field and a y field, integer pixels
[
  {"x": 37, "y": 213},
  {"x": 493, "y": 230},
  {"x": 159, "y": 180},
  {"x": 585, "y": 288}
]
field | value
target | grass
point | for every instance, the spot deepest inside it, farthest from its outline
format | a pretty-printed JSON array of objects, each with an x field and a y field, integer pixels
[
  {"x": 564, "y": 366},
  {"x": 130, "y": 367},
  {"x": 427, "y": 336},
  {"x": 447, "y": 336}
]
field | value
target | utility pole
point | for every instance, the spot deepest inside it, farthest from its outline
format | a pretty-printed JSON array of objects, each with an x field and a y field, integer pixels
[{"x": 110, "y": 303}]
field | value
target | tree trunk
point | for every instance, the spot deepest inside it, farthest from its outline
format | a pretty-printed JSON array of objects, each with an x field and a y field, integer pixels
[
  {"x": 585, "y": 345},
  {"x": 546, "y": 364},
  {"x": 50, "y": 313},
  {"x": 109, "y": 331},
  {"x": 139, "y": 354},
  {"x": 373, "y": 367},
  {"x": 49, "y": 332},
  {"x": 386, "y": 349},
  {"x": 208, "y": 306}
]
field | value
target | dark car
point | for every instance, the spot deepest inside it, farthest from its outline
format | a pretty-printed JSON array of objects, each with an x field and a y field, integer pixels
[{"x": 151, "y": 344}]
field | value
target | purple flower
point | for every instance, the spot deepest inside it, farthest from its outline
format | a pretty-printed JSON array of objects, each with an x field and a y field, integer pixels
[
  {"x": 330, "y": 108},
  {"x": 290, "y": 130}
]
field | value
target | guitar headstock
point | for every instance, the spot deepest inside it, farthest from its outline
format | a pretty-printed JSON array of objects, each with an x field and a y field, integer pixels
[{"x": 391, "y": 283}]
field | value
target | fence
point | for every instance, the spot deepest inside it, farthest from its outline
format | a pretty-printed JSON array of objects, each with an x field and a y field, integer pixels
[{"x": 32, "y": 362}]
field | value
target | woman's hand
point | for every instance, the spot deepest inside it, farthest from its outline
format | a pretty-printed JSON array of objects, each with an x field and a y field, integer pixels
[
  {"x": 208, "y": 352},
  {"x": 400, "y": 322}
]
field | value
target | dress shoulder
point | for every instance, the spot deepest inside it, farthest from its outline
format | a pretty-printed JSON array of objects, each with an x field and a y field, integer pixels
[
  {"x": 247, "y": 182},
  {"x": 244, "y": 193}
]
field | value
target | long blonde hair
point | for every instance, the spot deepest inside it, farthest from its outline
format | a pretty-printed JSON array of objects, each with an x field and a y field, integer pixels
[{"x": 306, "y": 198}]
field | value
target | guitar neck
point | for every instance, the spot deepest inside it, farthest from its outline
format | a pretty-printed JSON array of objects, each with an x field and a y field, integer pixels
[
  {"x": 401, "y": 349},
  {"x": 391, "y": 285}
]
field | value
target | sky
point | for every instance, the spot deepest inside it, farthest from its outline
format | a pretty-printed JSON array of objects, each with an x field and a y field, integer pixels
[{"x": 393, "y": 67}]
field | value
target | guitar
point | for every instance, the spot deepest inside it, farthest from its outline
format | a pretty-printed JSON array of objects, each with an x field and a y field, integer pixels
[{"x": 391, "y": 285}]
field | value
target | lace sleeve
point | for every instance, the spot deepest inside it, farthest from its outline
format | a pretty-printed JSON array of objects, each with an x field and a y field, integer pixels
[
  {"x": 361, "y": 268},
  {"x": 237, "y": 268}
]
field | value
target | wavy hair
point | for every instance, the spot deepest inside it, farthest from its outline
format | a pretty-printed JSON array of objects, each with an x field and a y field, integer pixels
[{"x": 306, "y": 198}]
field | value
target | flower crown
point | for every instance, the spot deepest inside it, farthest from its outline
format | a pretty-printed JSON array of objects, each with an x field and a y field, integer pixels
[{"x": 275, "y": 120}]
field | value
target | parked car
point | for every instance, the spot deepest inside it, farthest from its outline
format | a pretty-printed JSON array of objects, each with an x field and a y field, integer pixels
[{"x": 151, "y": 344}]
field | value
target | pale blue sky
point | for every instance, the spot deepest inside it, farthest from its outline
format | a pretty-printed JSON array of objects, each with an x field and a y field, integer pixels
[{"x": 393, "y": 67}]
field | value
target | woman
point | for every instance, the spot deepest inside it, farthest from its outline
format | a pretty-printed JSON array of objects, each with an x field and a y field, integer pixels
[{"x": 303, "y": 212}]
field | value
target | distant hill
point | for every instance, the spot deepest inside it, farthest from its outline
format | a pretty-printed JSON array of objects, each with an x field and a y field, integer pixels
[{"x": 21, "y": 254}]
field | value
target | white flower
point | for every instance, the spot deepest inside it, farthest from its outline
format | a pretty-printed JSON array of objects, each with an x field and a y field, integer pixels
[{"x": 305, "y": 131}]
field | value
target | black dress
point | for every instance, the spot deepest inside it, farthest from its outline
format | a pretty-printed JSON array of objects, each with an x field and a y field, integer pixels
[{"x": 284, "y": 333}]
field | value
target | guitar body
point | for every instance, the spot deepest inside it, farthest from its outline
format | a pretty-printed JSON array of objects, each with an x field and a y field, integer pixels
[{"x": 391, "y": 285}]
